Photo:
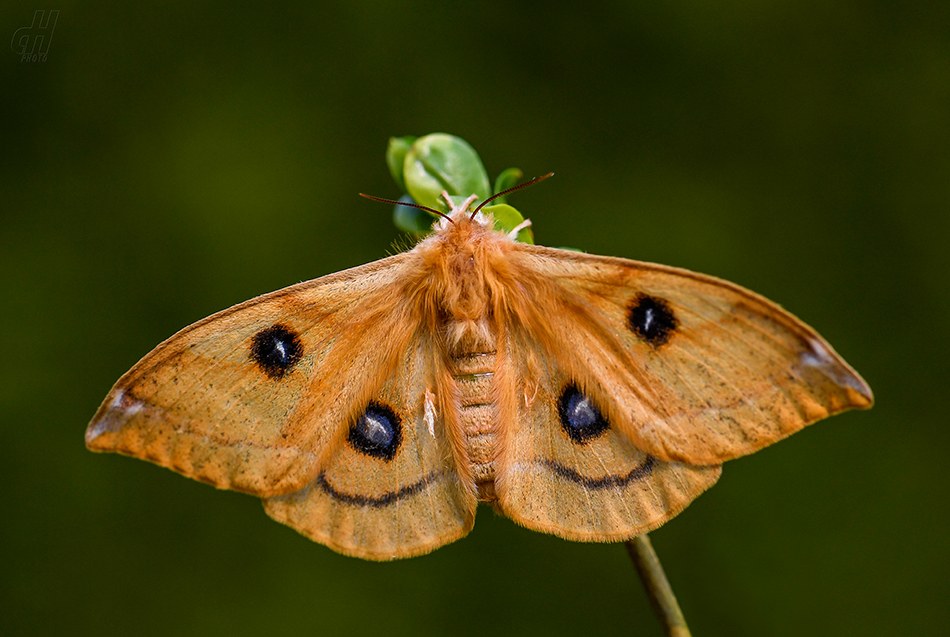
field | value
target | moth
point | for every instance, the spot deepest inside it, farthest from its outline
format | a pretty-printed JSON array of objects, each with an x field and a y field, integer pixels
[{"x": 372, "y": 410}]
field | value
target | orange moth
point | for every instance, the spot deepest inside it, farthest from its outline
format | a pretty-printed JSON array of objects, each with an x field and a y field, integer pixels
[{"x": 585, "y": 396}]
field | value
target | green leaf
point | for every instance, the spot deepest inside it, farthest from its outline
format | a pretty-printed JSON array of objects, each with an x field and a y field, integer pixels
[
  {"x": 508, "y": 218},
  {"x": 508, "y": 178},
  {"x": 440, "y": 162},
  {"x": 412, "y": 220},
  {"x": 396, "y": 157}
]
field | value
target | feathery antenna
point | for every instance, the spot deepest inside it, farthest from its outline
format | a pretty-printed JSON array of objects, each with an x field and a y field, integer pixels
[
  {"x": 505, "y": 192},
  {"x": 408, "y": 203}
]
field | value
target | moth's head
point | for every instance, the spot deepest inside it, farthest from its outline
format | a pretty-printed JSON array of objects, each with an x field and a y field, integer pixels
[
  {"x": 462, "y": 213},
  {"x": 463, "y": 224}
]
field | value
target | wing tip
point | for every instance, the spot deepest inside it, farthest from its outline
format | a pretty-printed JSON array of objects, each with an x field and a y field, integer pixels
[{"x": 116, "y": 410}]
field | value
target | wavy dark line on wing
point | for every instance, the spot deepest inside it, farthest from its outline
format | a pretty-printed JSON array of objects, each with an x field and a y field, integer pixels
[
  {"x": 607, "y": 482},
  {"x": 380, "y": 501}
]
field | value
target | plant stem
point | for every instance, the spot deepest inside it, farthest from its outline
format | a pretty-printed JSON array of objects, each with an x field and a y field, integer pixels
[{"x": 657, "y": 586}]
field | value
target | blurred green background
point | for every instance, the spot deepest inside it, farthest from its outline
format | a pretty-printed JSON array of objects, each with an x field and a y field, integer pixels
[{"x": 171, "y": 159}]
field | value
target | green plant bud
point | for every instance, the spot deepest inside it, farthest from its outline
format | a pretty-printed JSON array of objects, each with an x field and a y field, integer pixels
[{"x": 440, "y": 162}]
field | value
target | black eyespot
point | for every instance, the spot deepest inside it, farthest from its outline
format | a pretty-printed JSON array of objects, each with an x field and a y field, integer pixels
[
  {"x": 276, "y": 350},
  {"x": 579, "y": 417},
  {"x": 652, "y": 319},
  {"x": 377, "y": 432}
]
